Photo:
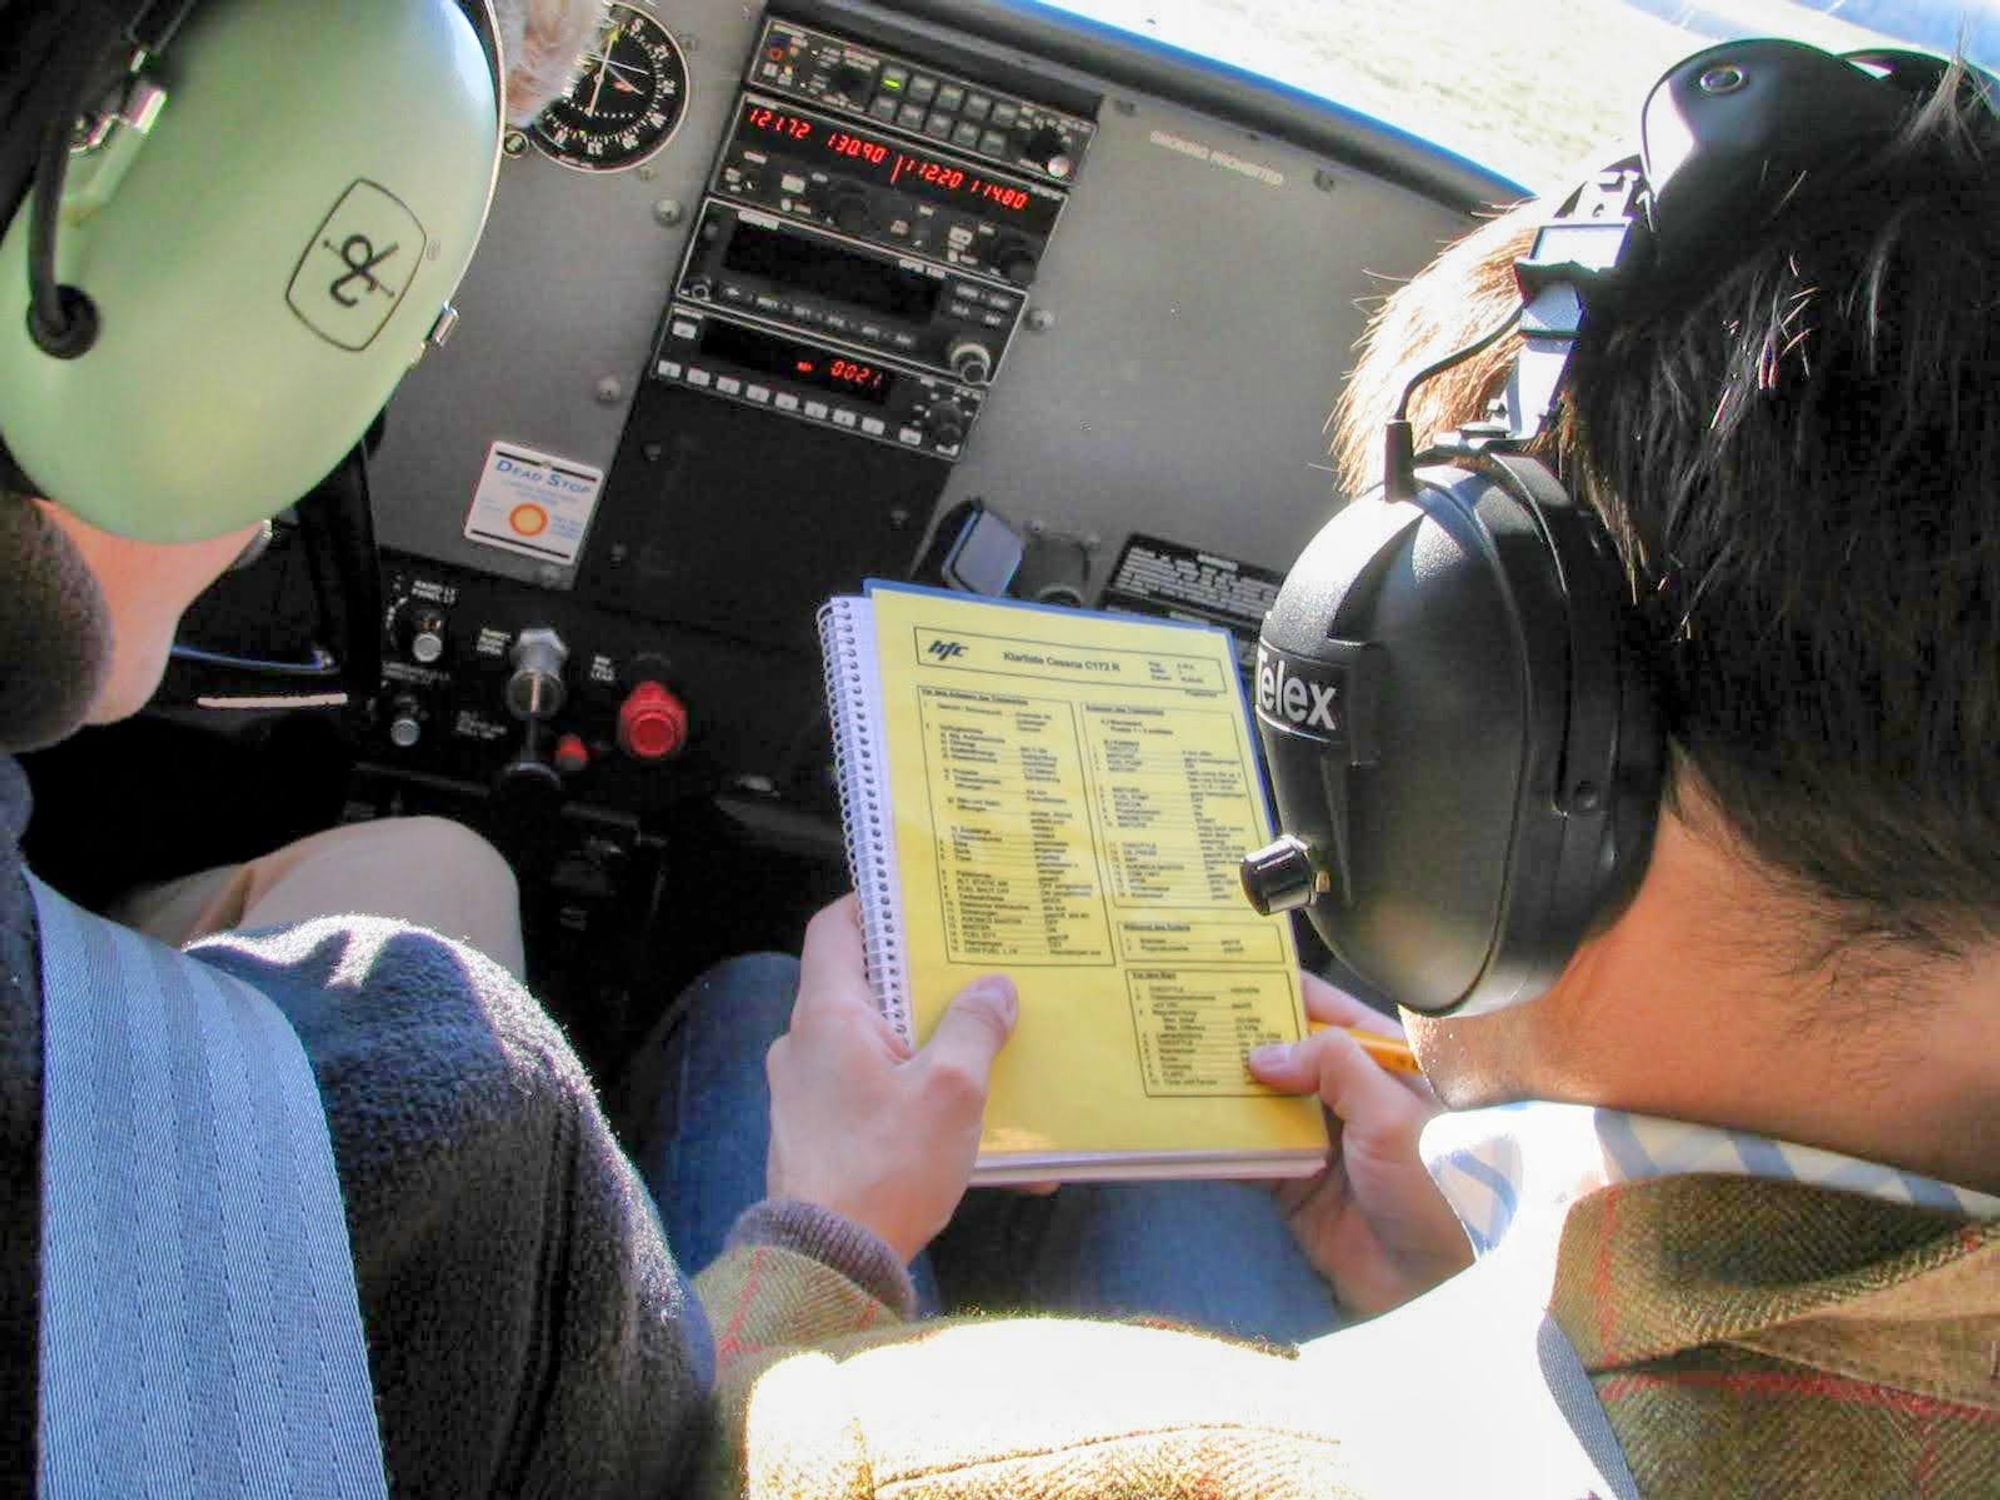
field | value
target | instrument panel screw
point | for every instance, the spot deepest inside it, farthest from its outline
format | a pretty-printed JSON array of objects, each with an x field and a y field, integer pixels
[
  {"x": 514, "y": 143},
  {"x": 899, "y": 519},
  {"x": 668, "y": 212},
  {"x": 610, "y": 390},
  {"x": 1325, "y": 180},
  {"x": 1726, "y": 78},
  {"x": 1040, "y": 320}
]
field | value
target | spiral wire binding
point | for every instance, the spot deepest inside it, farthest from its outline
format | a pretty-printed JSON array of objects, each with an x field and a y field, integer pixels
[{"x": 861, "y": 770}]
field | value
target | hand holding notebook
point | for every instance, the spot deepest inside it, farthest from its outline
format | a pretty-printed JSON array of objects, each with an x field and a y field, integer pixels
[{"x": 1065, "y": 797}]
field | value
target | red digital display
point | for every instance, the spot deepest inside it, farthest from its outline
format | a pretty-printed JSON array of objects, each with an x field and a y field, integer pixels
[
  {"x": 840, "y": 143},
  {"x": 855, "y": 375},
  {"x": 792, "y": 127},
  {"x": 858, "y": 155}
]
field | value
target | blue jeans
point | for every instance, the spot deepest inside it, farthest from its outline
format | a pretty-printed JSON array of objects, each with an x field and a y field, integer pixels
[{"x": 1215, "y": 1255}]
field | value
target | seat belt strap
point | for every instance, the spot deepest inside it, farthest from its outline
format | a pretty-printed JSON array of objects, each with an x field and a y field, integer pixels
[{"x": 200, "y": 1331}]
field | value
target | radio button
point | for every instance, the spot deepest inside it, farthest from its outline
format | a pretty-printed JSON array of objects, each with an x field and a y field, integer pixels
[
  {"x": 734, "y": 294},
  {"x": 874, "y": 426},
  {"x": 903, "y": 340},
  {"x": 767, "y": 303},
  {"x": 792, "y": 183},
  {"x": 1005, "y": 114},
  {"x": 835, "y": 322},
  {"x": 842, "y": 417},
  {"x": 698, "y": 376},
  {"x": 911, "y": 117},
  {"x": 871, "y": 332},
  {"x": 939, "y": 125},
  {"x": 965, "y": 134},
  {"x": 923, "y": 89},
  {"x": 729, "y": 385},
  {"x": 993, "y": 143},
  {"x": 686, "y": 328},
  {"x": 977, "y": 106},
  {"x": 669, "y": 369},
  {"x": 894, "y": 77},
  {"x": 785, "y": 401},
  {"x": 994, "y": 319},
  {"x": 816, "y": 410},
  {"x": 951, "y": 97},
  {"x": 884, "y": 107},
  {"x": 911, "y": 436},
  {"x": 757, "y": 392}
]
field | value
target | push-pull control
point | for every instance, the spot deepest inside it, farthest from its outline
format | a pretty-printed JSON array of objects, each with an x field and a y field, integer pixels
[
  {"x": 535, "y": 691},
  {"x": 652, "y": 722},
  {"x": 422, "y": 634}
]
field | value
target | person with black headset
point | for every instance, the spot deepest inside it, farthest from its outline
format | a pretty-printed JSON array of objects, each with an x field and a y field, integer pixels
[
  {"x": 1662, "y": 797},
  {"x": 216, "y": 265}
]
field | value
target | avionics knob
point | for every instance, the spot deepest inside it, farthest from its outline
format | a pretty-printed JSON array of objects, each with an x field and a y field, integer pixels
[
  {"x": 536, "y": 690},
  {"x": 971, "y": 361},
  {"x": 1015, "y": 259},
  {"x": 849, "y": 212},
  {"x": 945, "y": 423},
  {"x": 1046, "y": 145},
  {"x": 652, "y": 723}
]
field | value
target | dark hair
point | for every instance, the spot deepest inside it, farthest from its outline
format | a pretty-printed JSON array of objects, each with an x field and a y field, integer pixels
[{"x": 1802, "y": 469}]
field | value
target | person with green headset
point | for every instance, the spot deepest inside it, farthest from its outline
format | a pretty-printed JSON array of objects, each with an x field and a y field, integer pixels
[{"x": 177, "y": 363}]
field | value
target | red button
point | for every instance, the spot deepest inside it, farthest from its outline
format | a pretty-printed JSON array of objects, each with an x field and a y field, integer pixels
[
  {"x": 572, "y": 754},
  {"x": 652, "y": 723}
]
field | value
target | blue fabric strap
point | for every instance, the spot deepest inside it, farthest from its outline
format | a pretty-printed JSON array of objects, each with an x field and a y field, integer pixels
[{"x": 200, "y": 1333}]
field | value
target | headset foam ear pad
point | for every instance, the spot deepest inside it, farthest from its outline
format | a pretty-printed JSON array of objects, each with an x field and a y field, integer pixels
[{"x": 269, "y": 263}]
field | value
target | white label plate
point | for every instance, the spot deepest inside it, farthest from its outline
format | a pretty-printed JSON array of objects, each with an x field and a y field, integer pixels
[{"x": 534, "y": 503}]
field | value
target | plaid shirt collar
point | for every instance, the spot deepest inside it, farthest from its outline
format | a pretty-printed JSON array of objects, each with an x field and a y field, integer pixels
[{"x": 1501, "y": 1166}]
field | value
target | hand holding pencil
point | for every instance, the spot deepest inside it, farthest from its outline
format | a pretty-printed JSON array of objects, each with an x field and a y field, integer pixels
[{"x": 1373, "y": 1223}]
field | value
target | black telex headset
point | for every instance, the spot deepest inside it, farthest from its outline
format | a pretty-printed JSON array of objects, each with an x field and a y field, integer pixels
[{"x": 1452, "y": 688}]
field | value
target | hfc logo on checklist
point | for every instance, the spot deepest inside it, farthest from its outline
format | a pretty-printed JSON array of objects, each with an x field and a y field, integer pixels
[{"x": 944, "y": 650}]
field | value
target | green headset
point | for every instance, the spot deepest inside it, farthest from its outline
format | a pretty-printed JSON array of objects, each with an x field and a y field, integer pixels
[{"x": 246, "y": 222}]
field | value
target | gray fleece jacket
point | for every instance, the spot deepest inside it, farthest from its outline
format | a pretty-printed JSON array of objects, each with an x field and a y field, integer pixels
[{"x": 528, "y": 1330}]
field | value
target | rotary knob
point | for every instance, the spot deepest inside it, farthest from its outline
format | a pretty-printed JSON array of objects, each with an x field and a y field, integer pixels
[
  {"x": 1047, "y": 146},
  {"x": 1015, "y": 259},
  {"x": 849, "y": 212},
  {"x": 535, "y": 691},
  {"x": 946, "y": 423},
  {"x": 1282, "y": 876},
  {"x": 971, "y": 361}
]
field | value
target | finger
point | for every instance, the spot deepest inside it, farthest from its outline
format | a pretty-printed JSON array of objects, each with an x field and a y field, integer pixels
[
  {"x": 972, "y": 1031},
  {"x": 834, "y": 994},
  {"x": 832, "y": 963},
  {"x": 1347, "y": 1080},
  {"x": 1326, "y": 1003}
]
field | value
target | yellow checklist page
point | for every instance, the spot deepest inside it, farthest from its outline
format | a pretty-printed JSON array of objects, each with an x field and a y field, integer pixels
[{"x": 1072, "y": 795}]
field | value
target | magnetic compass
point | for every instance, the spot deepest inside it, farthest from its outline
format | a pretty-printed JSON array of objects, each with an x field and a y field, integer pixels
[{"x": 629, "y": 95}]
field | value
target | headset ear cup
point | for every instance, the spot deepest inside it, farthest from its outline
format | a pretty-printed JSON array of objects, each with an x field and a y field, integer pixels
[
  {"x": 266, "y": 263},
  {"x": 1512, "y": 803}
]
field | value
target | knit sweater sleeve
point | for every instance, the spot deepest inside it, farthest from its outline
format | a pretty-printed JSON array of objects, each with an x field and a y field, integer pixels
[
  {"x": 828, "y": 1392},
  {"x": 528, "y": 1330}
]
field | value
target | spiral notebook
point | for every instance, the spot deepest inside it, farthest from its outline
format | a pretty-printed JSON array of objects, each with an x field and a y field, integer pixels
[{"x": 1064, "y": 796}]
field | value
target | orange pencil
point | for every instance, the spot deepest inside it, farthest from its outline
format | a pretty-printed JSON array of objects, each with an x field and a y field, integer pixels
[{"x": 1391, "y": 1054}]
